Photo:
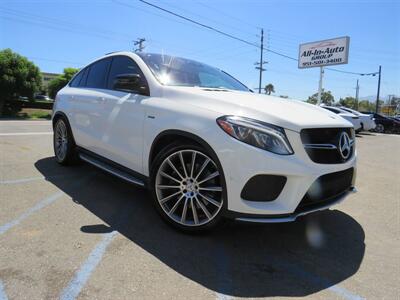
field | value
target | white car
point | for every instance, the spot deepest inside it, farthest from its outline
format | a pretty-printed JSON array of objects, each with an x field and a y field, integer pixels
[
  {"x": 202, "y": 142},
  {"x": 352, "y": 118},
  {"x": 367, "y": 121}
]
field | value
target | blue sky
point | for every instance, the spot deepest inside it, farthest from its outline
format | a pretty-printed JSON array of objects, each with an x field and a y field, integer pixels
[{"x": 57, "y": 34}]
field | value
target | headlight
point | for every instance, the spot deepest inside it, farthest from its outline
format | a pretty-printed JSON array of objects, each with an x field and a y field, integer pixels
[{"x": 256, "y": 133}]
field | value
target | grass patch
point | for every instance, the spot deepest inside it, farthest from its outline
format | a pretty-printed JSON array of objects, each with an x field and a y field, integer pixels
[{"x": 34, "y": 114}]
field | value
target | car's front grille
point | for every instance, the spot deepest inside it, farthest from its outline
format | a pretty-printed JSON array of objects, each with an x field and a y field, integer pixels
[
  {"x": 326, "y": 188},
  {"x": 323, "y": 144}
]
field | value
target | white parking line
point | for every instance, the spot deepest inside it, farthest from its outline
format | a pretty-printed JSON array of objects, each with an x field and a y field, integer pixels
[
  {"x": 25, "y": 133},
  {"x": 22, "y": 122},
  {"x": 41, "y": 204},
  {"x": 29, "y": 179},
  {"x": 3, "y": 295},
  {"x": 81, "y": 277},
  {"x": 22, "y": 180}
]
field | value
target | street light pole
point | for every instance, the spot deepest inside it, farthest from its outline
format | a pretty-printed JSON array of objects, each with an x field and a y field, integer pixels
[
  {"x": 259, "y": 65},
  {"x": 379, "y": 88},
  {"x": 357, "y": 91}
]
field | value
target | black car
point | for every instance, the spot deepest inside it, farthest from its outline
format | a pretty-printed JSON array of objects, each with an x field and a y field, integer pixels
[{"x": 384, "y": 124}]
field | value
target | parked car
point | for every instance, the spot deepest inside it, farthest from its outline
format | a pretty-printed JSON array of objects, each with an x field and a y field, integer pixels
[
  {"x": 385, "y": 124},
  {"x": 205, "y": 146},
  {"x": 23, "y": 98},
  {"x": 353, "y": 119},
  {"x": 366, "y": 120},
  {"x": 42, "y": 97}
]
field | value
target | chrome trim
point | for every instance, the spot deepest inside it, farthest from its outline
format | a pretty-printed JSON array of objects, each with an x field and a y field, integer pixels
[
  {"x": 320, "y": 146},
  {"x": 111, "y": 170},
  {"x": 325, "y": 146}
]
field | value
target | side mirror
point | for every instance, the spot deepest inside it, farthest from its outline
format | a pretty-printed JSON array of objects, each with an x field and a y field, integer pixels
[{"x": 130, "y": 83}]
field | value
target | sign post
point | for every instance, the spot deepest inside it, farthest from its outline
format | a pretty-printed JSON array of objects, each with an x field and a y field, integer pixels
[
  {"x": 324, "y": 53},
  {"x": 321, "y": 76}
]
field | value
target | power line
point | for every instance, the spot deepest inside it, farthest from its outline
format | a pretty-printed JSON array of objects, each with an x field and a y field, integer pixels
[
  {"x": 237, "y": 38},
  {"x": 210, "y": 19},
  {"x": 57, "y": 24},
  {"x": 242, "y": 21},
  {"x": 199, "y": 24},
  {"x": 55, "y": 27},
  {"x": 60, "y": 23},
  {"x": 56, "y": 60}
]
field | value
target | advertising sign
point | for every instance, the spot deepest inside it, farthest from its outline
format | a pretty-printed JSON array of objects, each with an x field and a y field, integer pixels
[{"x": 324, "y": 53}]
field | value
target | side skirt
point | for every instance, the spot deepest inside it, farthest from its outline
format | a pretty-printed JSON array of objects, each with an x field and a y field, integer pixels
[{"x": 112, "y": 167}]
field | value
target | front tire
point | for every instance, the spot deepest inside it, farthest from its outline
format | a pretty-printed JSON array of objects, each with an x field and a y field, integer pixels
[
  {"x": 63, "y": 143},
  {"x": 188, "y": 188}
]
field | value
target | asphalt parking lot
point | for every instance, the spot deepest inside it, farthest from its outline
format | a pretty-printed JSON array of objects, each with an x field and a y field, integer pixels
[{"x": 78, "y": 233}]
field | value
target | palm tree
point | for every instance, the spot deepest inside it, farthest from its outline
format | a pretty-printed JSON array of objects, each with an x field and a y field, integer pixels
[{"x": 269, "y": 88}]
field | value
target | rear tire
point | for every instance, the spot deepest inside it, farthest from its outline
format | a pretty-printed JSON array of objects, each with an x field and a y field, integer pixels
[
  {"x": 188, "y": 188},
  {"x": 380, "y": 128},
  {"x": 64, "y": 144}
]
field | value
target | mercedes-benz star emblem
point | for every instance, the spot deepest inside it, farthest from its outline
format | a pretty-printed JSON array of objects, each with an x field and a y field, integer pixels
[{"x": 344, "y": 145}]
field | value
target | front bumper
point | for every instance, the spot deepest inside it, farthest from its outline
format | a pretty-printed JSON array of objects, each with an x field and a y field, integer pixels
[
  {"x": 241, "y": 162},
  {"x": 290, "y": 217},
  {"x": 369, "y": 125}
]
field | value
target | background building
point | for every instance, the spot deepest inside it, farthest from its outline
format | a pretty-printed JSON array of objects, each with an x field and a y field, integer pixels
[{"x": 46, "y": 78}]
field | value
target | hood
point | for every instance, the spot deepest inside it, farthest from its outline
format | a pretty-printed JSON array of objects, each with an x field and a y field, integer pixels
[{"x": 287, "y": 113}]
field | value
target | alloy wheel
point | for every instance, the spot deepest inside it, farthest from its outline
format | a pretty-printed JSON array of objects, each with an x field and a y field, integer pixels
[
  {"x": 189, "y": 188},
  {"x": 61, "y": 140}
]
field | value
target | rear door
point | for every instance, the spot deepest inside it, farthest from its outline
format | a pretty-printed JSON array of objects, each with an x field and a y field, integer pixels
[{"x": 89, "y": 105}]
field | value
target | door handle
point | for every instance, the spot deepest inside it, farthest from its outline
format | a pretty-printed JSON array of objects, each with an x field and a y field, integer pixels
[{"x": 101, "y": 100}]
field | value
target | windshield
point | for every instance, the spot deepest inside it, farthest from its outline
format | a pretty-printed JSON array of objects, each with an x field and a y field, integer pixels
[
  {"x": 176, "y": 71},
  {"x": 350, "y": 111}
]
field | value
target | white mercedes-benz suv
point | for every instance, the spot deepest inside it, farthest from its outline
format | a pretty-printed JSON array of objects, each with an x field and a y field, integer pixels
[{"x": 205, "y": 145}]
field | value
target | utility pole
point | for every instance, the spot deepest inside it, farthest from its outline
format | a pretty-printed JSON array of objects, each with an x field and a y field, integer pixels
[
  {"x": 357, "y": 91},
  {"x": 140, "y": 43},
  {"x": 321, "y": 77},
  {"x": 379, "y": 88},
  {"x": 261, "y": 63}
]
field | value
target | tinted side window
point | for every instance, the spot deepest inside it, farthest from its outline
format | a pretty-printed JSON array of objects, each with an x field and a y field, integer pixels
[
  {"x": 122, "y": 65},
  {"x": 85, "y": 72},
  {"x": 76, "y": 80},
  {"x": 98, "y": 74},
  {"x": 332, "y": 110}
]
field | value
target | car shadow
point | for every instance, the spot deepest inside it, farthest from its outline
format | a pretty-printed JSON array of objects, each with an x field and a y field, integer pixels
[
  {"x": 367, "y": 133},
  {"x": 237, "y": 259}
]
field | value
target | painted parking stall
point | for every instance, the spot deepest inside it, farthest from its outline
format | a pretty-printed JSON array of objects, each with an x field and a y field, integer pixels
[{"x": 98, "y": 237}]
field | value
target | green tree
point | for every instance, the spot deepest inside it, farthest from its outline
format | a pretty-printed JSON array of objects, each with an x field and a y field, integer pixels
[
  {"x": 348, "y": 102},
  {"x": 326, "y": 98},
  {"x": 269, "y": 88},
  {"x": 18, "y": 77},
  {"x": 365, "y": 105},
  {"x": 60, "y": 81}
]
